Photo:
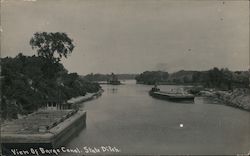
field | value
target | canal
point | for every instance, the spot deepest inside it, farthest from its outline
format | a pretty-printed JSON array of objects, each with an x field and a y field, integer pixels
[{"x": 127, "y": 118}]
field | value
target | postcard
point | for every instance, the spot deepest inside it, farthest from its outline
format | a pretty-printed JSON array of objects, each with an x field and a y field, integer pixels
[{"x": 125, "y": 77}]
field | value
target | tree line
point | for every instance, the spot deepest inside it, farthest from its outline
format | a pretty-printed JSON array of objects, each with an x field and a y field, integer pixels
[
  {"x": 28, "y": 82},
  {"x": 105, "y": 77},
  {"x": 214, "y": 78}
]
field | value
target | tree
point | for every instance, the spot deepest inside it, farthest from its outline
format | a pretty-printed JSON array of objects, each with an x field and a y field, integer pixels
[
  {"x": 52, "y": 46},
  {"x": 152, "y": 77},
  {"x": 215, "y": 77},
  {"x": 227, "y": 78}
]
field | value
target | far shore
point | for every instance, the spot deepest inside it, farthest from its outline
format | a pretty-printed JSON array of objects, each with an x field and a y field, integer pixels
[{"x": 172, "y": 83}]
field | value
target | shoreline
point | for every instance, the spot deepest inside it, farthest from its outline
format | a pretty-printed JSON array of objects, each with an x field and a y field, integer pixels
[
  {"x": 171, "y": 83},
  {"x": 238, "y": 98},
  {"x": 85, "y": 98}
]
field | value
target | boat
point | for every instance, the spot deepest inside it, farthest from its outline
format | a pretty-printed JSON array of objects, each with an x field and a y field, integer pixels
[
  {"x": 113, "y": 80},
  {"x": 171, "y": 96},
  {"x": 41, "y": 130}
]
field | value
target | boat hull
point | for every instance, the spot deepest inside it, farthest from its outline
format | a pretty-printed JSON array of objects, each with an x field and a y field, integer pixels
[
  {"x": 56, "y": 137},
  {"x": 114, "y": 82},
  {"x": 172, "y": 98}
]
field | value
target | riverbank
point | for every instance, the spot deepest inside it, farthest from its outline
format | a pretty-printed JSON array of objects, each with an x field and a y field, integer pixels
[
  {"x": 239, "y": 98},
  {"x": 171, "y": 83},
  {"x": 87, "y": 97}
]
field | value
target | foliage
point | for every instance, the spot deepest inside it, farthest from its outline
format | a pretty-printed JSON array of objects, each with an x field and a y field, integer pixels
[
  {"x": 152, "y": 77},
  {"x": 181, "y": 76},
  {"x": 223, "y": 79},
  {"x": 96, "y": 77},
  {"x": 105, "y": 77},
  {"x": 29, "y": 82},
  {"x": 47, "y": 44}
]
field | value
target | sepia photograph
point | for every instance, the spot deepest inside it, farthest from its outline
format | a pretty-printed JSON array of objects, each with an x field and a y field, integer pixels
[{"x": 124, "y": 77}]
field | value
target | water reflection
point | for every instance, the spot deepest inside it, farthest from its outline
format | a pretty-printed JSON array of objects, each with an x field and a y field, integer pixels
[{"x": 112, "y": 90}]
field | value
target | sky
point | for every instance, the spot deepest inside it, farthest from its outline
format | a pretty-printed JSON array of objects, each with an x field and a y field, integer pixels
[{"x": 132, "y": 36}]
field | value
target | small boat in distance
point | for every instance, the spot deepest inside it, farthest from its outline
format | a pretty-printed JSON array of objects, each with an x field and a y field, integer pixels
[
  {"x": 113, "y": 80},
  {"x": 171, "y": 96}
]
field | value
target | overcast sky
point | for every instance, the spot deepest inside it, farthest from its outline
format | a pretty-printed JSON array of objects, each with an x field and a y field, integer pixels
[{"x": 131, "y": 36}]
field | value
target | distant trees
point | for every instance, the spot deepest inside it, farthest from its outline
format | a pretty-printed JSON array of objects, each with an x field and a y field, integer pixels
[
  {"x": 96, "y": 77},
  {"x": 152, "y": 77},
  {"x": 182, "y": 76},
  {"x": 220, "y": 78},
  {"x": 105, "y": 77},
  {"x": 52, "y": 46},
  {"x": 214, "y": 78}
]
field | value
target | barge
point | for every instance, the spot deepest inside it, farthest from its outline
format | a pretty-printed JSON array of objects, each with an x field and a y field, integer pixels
[
  {"x": 171, "y": 96},
  {"x": 46, "y": 129},
  {"x": 113, "y": 80}
]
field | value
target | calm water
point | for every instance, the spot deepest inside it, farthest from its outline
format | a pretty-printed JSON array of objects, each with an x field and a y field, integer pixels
[{"x": 128, "y": 118}]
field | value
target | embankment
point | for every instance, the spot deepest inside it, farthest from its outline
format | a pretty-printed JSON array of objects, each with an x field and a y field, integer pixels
[
  {"x": 239, "y": 98},
  {"x": 87, "y": 97}
]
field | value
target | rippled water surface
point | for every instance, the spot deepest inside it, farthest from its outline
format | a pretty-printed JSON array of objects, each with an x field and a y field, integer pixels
[{"x": 128, "y": 118}]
